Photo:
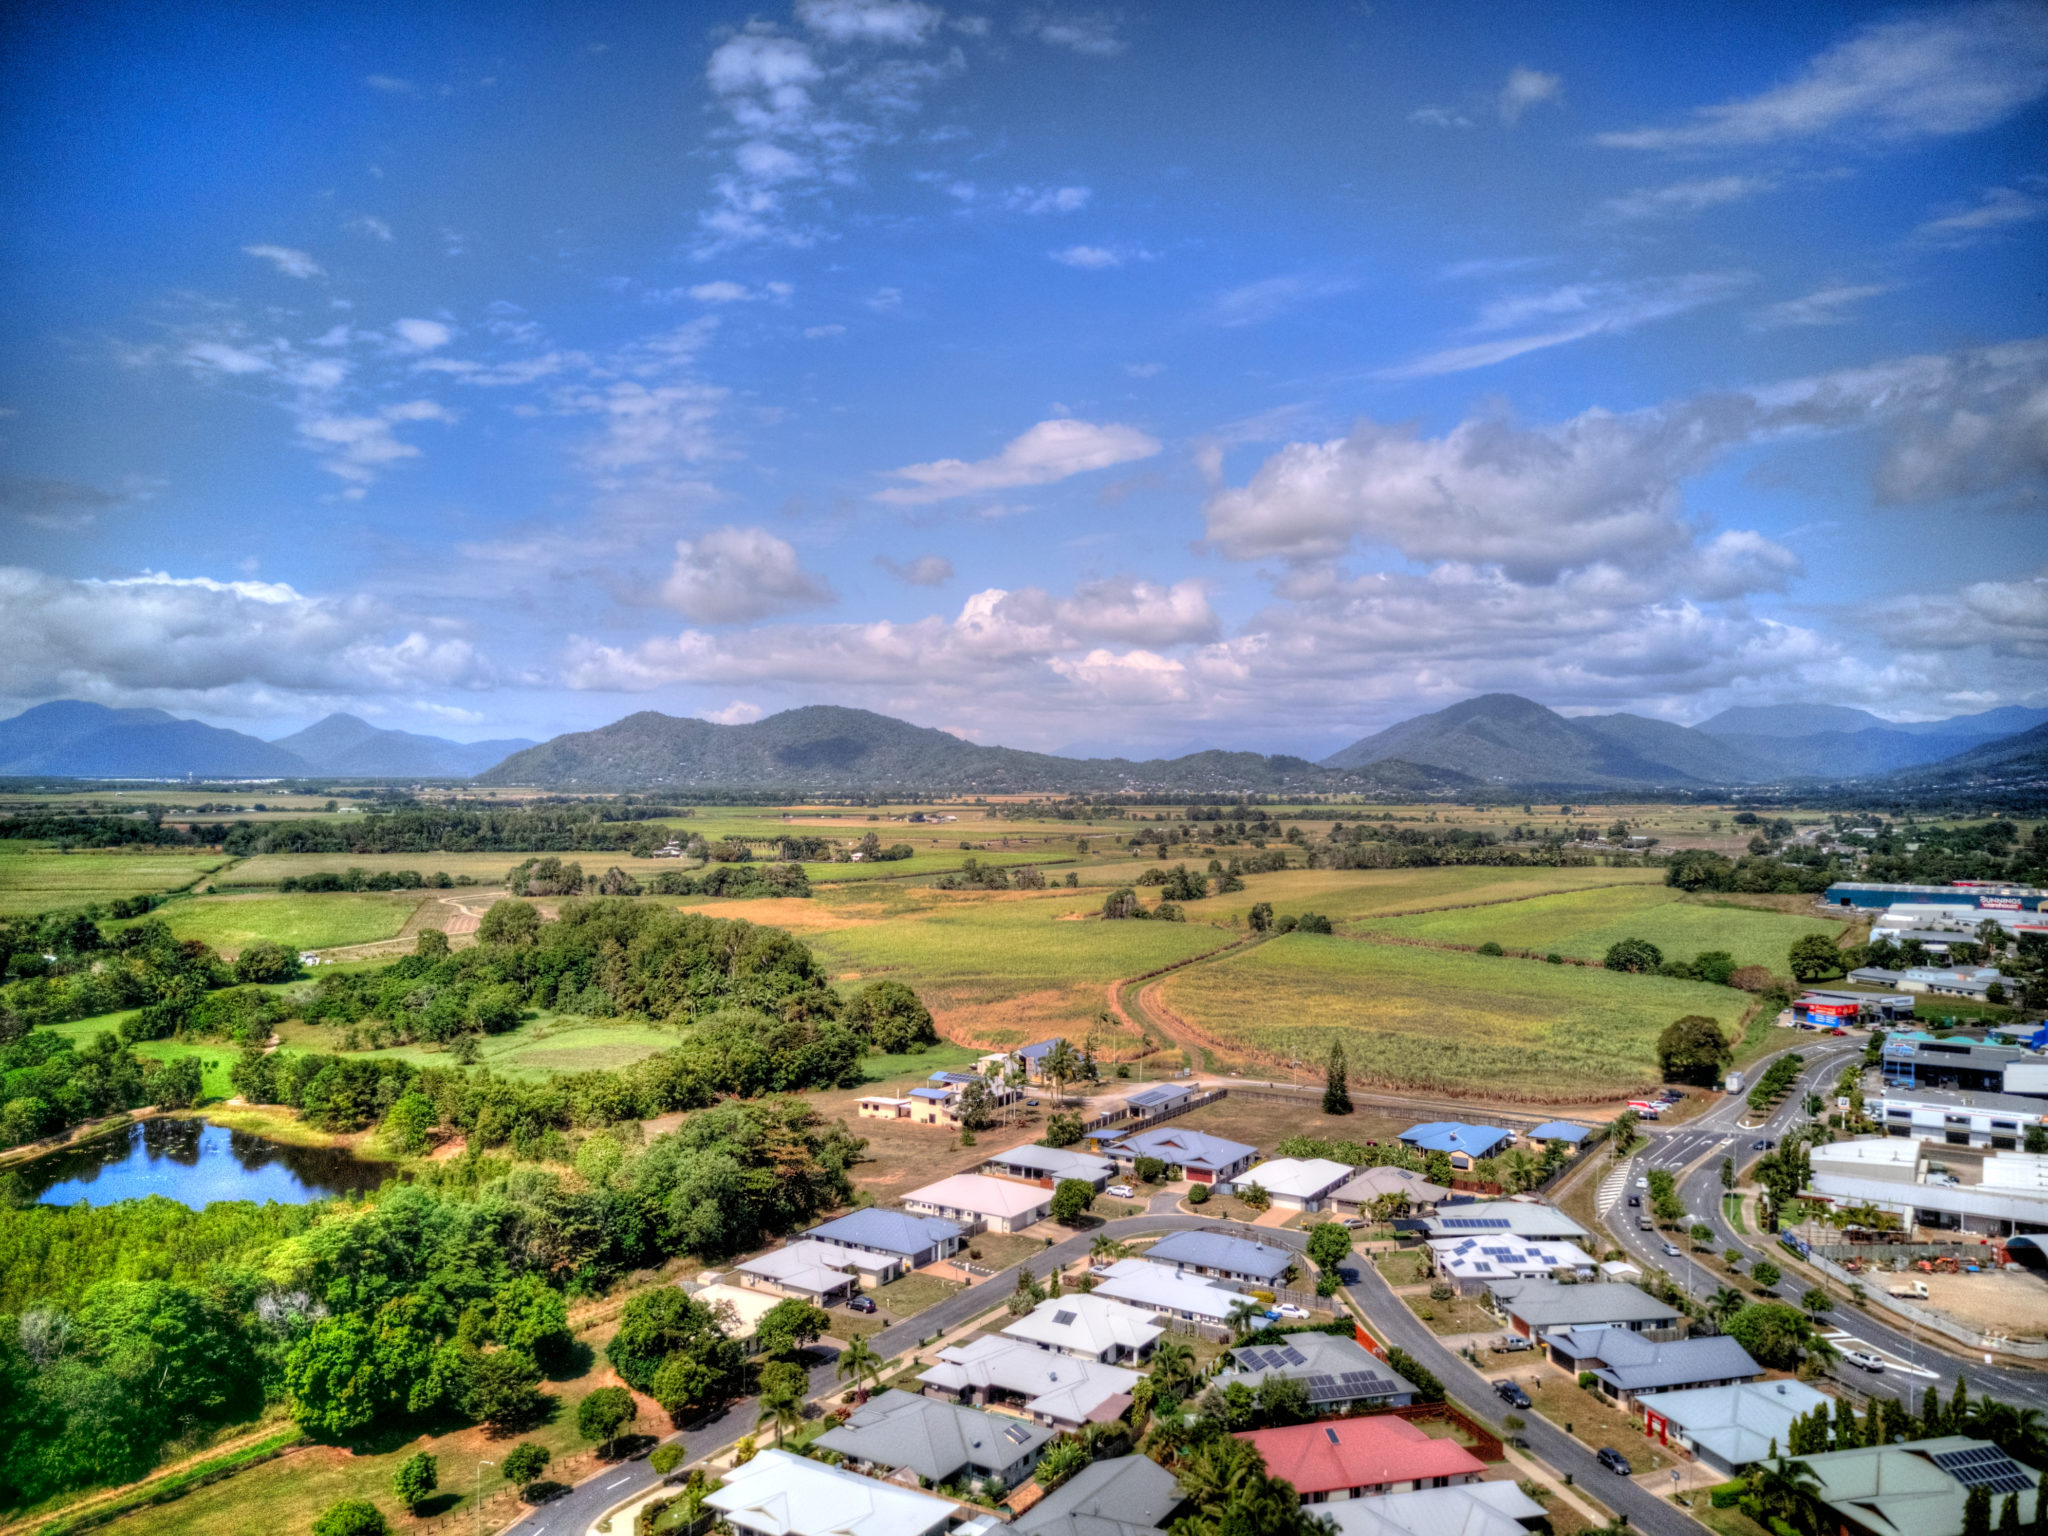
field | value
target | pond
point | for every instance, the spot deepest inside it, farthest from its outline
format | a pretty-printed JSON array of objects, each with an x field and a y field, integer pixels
[{"x": 196, "y": 1163}]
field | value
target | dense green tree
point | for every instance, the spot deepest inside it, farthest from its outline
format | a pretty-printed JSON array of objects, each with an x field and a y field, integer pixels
[
  {"x": 415, "y": 1480},
  {"x": 1336, "y": 1085},
  {"x": 1637, "y": 955},
  {"x": 891, "y": 1017},
  {"x": 1260, "y": 918},
  {"x": 1071, "y": 1199},
  {"x": 1776, "y": 1336},
  {"x": 525, "y": 1462},
  {"x": 789, "y": 1326},
  {"x": 603, "y": 1416},
  {"x": 1815, "y": 957},
  {"x": 1692, "y": 1049},
  {"x": 351, "y": 1517},
  {"x": 265, "y": 961}
]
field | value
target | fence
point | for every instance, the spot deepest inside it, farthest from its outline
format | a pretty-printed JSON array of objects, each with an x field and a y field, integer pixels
[
  {"x": 1933, "y": 1322},
  {"x": 1126, "y": 1121},
  {"x": 1976, "y": 1253}
]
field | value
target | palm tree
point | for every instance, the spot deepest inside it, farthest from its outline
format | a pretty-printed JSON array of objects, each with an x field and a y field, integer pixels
[
  {"x": 1062, "y": 1064},
  {"x": 860, "y": 1361},
  {"x": 1521, "y": 1169},
  {"x": 1106, "y": 1247},
  {"x": 1788, "y": 1491},
  {"x": 1245, "y": 1314},
  {"x": 2018, "y": 1432},
  {"x": 1173, "y": 1368},
  {"x": 1724, "y": 1304},
  {"x": 782, "y": 1401},
  {"x": 1221, "y": 1470}
]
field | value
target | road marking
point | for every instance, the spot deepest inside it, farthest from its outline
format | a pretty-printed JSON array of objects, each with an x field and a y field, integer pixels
[
  {"x": 608, "y": 1487},
  {"x": 1891, "y": 1361}
]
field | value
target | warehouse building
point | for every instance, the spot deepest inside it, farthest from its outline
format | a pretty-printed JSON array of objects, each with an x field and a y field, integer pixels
[
  {"x": 2001, "y": 1196},
  {"x": 1996, "y": 1120}
]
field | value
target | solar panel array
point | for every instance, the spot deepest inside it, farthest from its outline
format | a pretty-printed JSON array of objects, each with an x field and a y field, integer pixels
[
  {"x": 1474, "y": 1223},
  {"x": 1270, "y": 1359},
  {"x": 1063, "y": 1319},
  {"x": 1984, "y": 1466},
  {"x": 1347, "y": 1386}
]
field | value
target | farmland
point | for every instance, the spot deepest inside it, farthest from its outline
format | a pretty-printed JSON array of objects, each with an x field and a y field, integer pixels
[
  {"x": 231, "y": 923},
  {"x": 1581, "y": 925},
  {"x": 42, "y": 880},
  {"x": 1437, "y": 1019},
  {"x": 1350, "y": 898}
]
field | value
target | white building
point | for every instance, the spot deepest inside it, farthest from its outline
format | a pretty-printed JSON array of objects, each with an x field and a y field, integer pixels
[
  {"x": 1052, "y": 1388},
  {"x": 779, "y": 1493},
  {"x": 1958, "y": 1117},
  {"x": 2000, "y": 1196},
  {"x": 1474, "y": 1509},
  {"x": 820, "y": 1272},
  {"x": 1169, "y": 1292},
  {"x": 1297, "y": 1183},
  {"x": 1473, "y": 1264},
  {"x": 1088, "y": 1328},
  {"x": 978, "y": 1202}
]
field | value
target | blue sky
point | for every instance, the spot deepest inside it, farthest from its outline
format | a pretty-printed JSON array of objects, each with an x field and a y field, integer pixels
[{"x": 1140, "y": 377}]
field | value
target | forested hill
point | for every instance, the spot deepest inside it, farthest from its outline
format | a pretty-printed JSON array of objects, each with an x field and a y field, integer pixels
[{"x": 824, "y": 747}]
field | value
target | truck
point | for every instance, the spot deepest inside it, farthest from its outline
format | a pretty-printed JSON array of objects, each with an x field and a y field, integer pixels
[
  {"x": 1915, "y": 1290},
  {"x": 1735, "y": 1082}
]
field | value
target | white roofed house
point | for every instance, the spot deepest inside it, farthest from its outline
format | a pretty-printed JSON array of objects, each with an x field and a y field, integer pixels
[
  {"x": 1473, "y": 1264},
  {"x": 819, "y": 1272},
  {"x": 977, "y": 1202},
  {"x": 1048, "y": 1166},
  {"x": 903, "y": 1433},
  {"x": 1297, "y": 1183},
  {"x": 1218, "y": 1256},
  {"x": 1052, "y": 1388},
  {"x": 779, "y": 1493},
  {"x": 1170, "y": 1292},
  {"x": 1088, "y": 1328}
]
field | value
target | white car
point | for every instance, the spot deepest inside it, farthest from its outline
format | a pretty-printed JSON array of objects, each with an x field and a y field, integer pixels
[
  {"x": 1864, "y": 1358},
  {"x": 1289, "y": 1310},
  {"x": 1671, "y": 1250},
  {"x": 1121, "y": 1191},
  {"x": 1642, "y": 1183}
]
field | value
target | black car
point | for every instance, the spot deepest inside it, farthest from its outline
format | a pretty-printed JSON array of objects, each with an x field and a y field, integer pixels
[
  {"x": 1758, "y": 1146},
  {"x": 1613, "y": 1460},
  {"x": 860, "y": 1304},
  {"x": 1510, "y": 1394},
  {"x": 1635, "y": 1199}
]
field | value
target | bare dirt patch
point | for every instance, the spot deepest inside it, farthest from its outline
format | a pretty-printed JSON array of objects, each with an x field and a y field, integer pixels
[{"x": 2015, "y": 1306}]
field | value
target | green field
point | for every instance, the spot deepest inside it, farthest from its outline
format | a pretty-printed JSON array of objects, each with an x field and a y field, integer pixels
[
  {"x": 945, "y": 858},
  {"x": 232, "y": 923},
  {"x": 1583, "y": 924},
  {"x": 216, "y": 1056},
  {"x": 547, "y": 1043},
  {"x": 1350, "y": 896},
  {"x": 43, "y": 880},
  {"x": 484, "y": 868},
  {"x": 1440, "y": 1019}
]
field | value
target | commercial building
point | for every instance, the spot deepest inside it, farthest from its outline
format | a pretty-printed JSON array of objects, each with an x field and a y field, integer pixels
[
  {"x": 979, "y": 1203},
  {"x": 1358, "y": 1197},
  {"x": 1919, "y": 1488},
  {"x": 1465, "y": 1144},
  {"x": 1997, "y": 1120},
  {"x": 1820, "y": 1009},
  {"x": 1052, "y": 1388},
  {"x": 1341, "y": 1374},
  {"x": 1974, "y": 982},
  {"x": 818, "y": 1272},
  {"x": 1200, "y": 1157},
  {"x": 1356, "y": 1458},
  {"x": 1990, "y": 895},
  {"x": 941, "y": 1442},
  {"x": 1474, "y": 1264},
  {"x": 1472, "y": 1509},
  {"x": 1215, "y": 1256},
  {"x": 1534, "y": 1307},
  {"x": 779, "y": 1493},
  {"x": 1088, "y": 1328},
  {"x": 1626, "y": 1365},
  {"x": 1730, "y": 1428},
  {"x": 2001, "y": 1196},
  {"x": 1916, "y": 1062},
  {"x": 1047, "y": 1166},
  {"x": 1297, "y": 1183},
  {"x": 1121, "y": 1496},
  {"x": 1170, "y": 1293},
  {"x": 913, "y": 1241}
]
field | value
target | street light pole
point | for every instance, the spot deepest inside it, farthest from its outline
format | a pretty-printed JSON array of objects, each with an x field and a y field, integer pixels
[{"x": 480, "y": 1495}]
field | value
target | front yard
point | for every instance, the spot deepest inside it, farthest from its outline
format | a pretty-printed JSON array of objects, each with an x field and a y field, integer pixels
[{"x": 1593, "y": 1419}]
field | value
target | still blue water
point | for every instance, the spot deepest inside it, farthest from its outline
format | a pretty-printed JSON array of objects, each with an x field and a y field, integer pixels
[{"x": 195, "y": 1164}]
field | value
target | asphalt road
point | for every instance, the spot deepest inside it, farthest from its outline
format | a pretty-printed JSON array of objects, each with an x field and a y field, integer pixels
[{"x": 1700, "y": 1146}]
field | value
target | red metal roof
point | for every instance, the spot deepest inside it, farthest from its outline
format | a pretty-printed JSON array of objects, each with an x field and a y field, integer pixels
[{"x": 1359, "y": 1453}]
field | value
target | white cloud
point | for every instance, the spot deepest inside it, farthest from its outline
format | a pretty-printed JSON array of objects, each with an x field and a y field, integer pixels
[
  {"x": 1526, "y": 88},
  {"x": 1144, "y": 370},
  {"x": 1824, "y": 306},
  {"x": 737, "y": 575},
  {"x": 1255, "y": 302},
  {"x": 870, "y": 21},
  {"x": 287, "y": 261},
  {"x": 1050, "y": 451},
  {"x": 1091, "y": 258},
  {"x": 924, "y": 571},
  {"x": 158, "y": 637},
  {"x": 738, "y": 712},
  {"x": 1685, "y": 197},
  {"x": 375, "y": 228},
  {"x": 357, "y": 448},
  {"x": 1050, "y": 199},
  {"x": 725, "y": 291},
  {"x": 1999, "y": 208},
  {"x": 391, "y": 85},
  {"x": 821, "y": 332},
  {"x": 1577, "y": 311},
  {"x": 2007, "y": 617},
  {"x": 1439, "y": 117},
  {"x": 886, "y": 301},
  {"x": 1093, "y": 34},
  {"x": 1952, "y": 69},
  {"x": 422, "y": 335}
]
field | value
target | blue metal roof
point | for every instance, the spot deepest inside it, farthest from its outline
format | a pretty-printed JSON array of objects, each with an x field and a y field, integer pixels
[
  {"x": 1559, "y": 1130},
  {"x": 1040, "y": 1048},
  {"x": 1214, "y": 1250},
  {"x": 930, "y": 1093},
  {"x": 887, "y": 1231},
  {"x": 1455, "y": 1136}
]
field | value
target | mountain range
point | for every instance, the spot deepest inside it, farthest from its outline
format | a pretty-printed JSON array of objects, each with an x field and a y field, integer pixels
[
  {"x": 1495, "y": 741},
  {"x": 73, "y": 739}
]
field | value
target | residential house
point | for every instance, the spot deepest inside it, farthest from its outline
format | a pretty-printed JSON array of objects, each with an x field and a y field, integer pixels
[
  {"x": 1464, "y": 1144},
  {"x": 1032, "y": 1057},
  {"x": 1052, "y": 1388},
  {"x": 818, "y": 1272},
  {"x": 1475, "y": 1264},
  {"x": 1120, "y": 1496},
  {"x": 1170, "y": 1293},
  {"x": 1047, "y": 1166},
  {"x": 1470, "y": 1509},
  {"x": 882, "y": 1107},
  {"x": 1217, "y": 1256},
  {"x": 1731, "y": 1428},
  {"x": 1627, "y": 1365},
  {"x": 1341, "y": 1374},
  {"x": 1088, "y": 1328},
  {"x": 1162, "y": 1099},
  {"x": 1525, "y": 1219},
  {"x": 1919, "y": 1488},
  {"x": 1560, "y": 1130},
  {"x": 977, "y": 1202},
  {"x": 779, "y": 1493},
  {"x": 748, "y": 1308},
  {"x": 901, "y": 1433},
  {"x": 1534, "y": 1307},
  {"x": 913, "y": 1241},
  {"x": 1358, "y": 1197},
  {"x": 1200, "y": 1157},
  {"x": 1353, "y": 1458},
  {"x": 1297, "y": 1183}
]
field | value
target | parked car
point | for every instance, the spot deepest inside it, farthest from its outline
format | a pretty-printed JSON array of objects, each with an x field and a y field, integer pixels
[
  {"x": 1288, "y": 1310},
  {"x": 1671, "y": 1251},
  {"x": 1121, "y": 1191},
  {"x": 1510, "y": 1394},
  {"x": 1612, "y": 1460},
  {"x": 1512, "y": 1344},
  {"x": 1031, "y": 1103},
  {"x": 860, "y": 1304},
  {"x": 1864, "y": 1358}
]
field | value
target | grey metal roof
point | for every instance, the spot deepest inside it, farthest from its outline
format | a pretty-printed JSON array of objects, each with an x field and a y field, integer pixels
[
  {"x": 1636, "y": 1364},
  {"x": 1956, "y": 1098},
  {"x": 1214, "y": 1250},
  {"x": 1165, "y": 1093},
  {"x": 934, "y": 1438},
  {"x": 1545, "y": 1304},
  {"x": 1128, "y": 1490},
  {"x": 1177, "y": 1144},
  {"x": 1051, "y": 1159},
  {"x": 887, "y": 1231},
  {"x": 1334, "y": 1369}
]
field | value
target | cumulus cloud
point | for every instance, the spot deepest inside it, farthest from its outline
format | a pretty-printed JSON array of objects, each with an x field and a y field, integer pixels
[
  {"x": 1050, "y": 451},
  {"x": 1680, "y": 198},
  {"x": 422, "y": 335},
  {"x": 738, "y": 712},
  {"x": 924, "y": 571},
  {"x": 288, "y": 261},
  {"x": 2010, "y": 618},
  {"x": 903, "y": 22},
  {"x": 737, "y": 575},
  {"x": 158, "y": 636},
  {"x": 1094, "y": 258},
  {"x": 1526, "y": 88},
  {"x": 1953, "y": 69}
]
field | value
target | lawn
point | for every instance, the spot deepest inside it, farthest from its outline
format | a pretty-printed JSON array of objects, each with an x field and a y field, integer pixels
[
  {"x": 1350, "y": 897},
  {"x": 1593, "y": 1419},
  {"x": 547, "y": 1043},
  {"x": 1441, "y": 1020},
  {"x": 36, "y": 879},
  {"x": 913, "y": 1293},
  {"x": 216, "y": 1057},
  {"x": 1581, "y": 925},
  {"x": 943, "y": 858},
  {"x": 484, "y": 868},
  {"x": 298, "y": 921},
  {"x": 1409, "y": 1266}
]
